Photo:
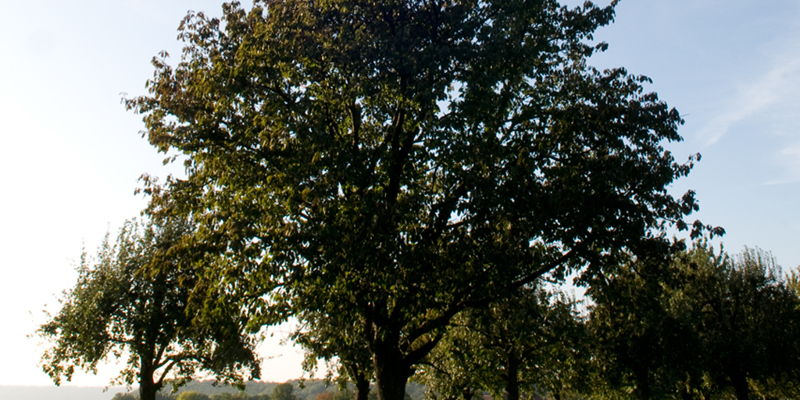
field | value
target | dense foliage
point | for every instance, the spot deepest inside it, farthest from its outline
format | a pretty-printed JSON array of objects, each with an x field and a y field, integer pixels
[{"x": 384, "y": 166}]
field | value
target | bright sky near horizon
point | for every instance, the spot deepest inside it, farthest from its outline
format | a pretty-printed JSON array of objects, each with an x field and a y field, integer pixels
[{"x": 72, "y": 155}]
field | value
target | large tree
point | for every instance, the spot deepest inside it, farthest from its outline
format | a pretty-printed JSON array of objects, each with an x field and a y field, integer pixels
[
  {"x": 397, "y": 162},
  {"x": 131, "y": 302}
]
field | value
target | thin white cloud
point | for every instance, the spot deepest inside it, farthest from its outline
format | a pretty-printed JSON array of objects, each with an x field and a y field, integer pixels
[
  {"x": 789, "y": 158},
  {"x": 778, "y": 85},
  {"x": 768, "y": 103}
]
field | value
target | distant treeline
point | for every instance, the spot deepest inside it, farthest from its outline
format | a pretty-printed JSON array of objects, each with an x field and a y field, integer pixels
[{"x": 312, "y": 389}]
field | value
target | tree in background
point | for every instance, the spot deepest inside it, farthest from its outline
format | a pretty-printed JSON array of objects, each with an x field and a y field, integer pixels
[
  {"x": 704, "y": 325},
  {"x": 192, "y": 395},
  {"x": 406, "y": 160},
  {"x": 452, "y": 370},
  {"x": 238, "y": 396},
  {"x": 746, "y": 319},
  {"x": 639, "y": 346},
  {"x": 284, "y": 391},
  {"x": 531, "y": 342},
  {"x": 344, "y": 351},
  {"x": 327, "y": 395},
  {"x": 131, "y": 301}
]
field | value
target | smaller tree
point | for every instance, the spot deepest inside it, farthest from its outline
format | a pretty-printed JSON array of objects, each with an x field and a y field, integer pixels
[
  {"x": 700, "y": 325},
  {"x": 452, "y": 371},
  {"x": 238, "y": 396},
  {"x": 344, "y": 393},
  {"x": 123, "y": 396},
  {"x": 640, "y": 349},
  {"x": 284, "y": 391},
  {"x": 131, "y": 302},
  {"x": 340, "y": 345},
  {"x": 529, "y": 342},
  {"x": 192, "y": 395},
  {"x": 746, "y": 318}
]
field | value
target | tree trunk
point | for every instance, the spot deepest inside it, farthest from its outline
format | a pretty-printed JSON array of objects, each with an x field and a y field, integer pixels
[
  {"x": 147, "y": 389},
  {"x": 642, "y": 384},
  {"x": 740, "y": 386},
  {"x": 512, "y": 377},
  {"x": 362, "y": 387},
  {"x": 391, "y": 371},
  {"x": 468, "y": 394}
]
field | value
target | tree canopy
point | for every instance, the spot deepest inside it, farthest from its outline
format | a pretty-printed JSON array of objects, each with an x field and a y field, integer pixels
[
  {"x": 131, "y": 302},
  {"x": 391, "y": 164}
]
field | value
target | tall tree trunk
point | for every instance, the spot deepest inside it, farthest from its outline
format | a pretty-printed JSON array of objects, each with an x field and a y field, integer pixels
[
  {"x": 642, "y": 391},
  {"x": 362, "y": 386},
  {"x": 739, "y": 382},
  {"x": 147, "y": 389},
  {"x": 391, "y": 371},
  {"x": 512, "y": 377}
]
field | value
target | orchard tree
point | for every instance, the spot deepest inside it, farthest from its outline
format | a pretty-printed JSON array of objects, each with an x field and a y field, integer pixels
[
  {"x": 398, "y": 162},
  {"x": 453, "y": 370},
  {"x": 345, "y": 352},
  {"x": 131, "y": 302},
  {"x": 192, "y": 395},
  {"x": 530, "y": 342},
  {"x": 704, "y": 324},
  {"x": 284, "y": 391},
  {"x": 746, "y": 319},
  {"x": 642, "y": 345}
]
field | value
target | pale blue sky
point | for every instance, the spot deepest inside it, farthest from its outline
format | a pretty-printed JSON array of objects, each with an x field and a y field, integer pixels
[
  {"x": 71, "y": 154},
  {"x": 732, "y": 68}
]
